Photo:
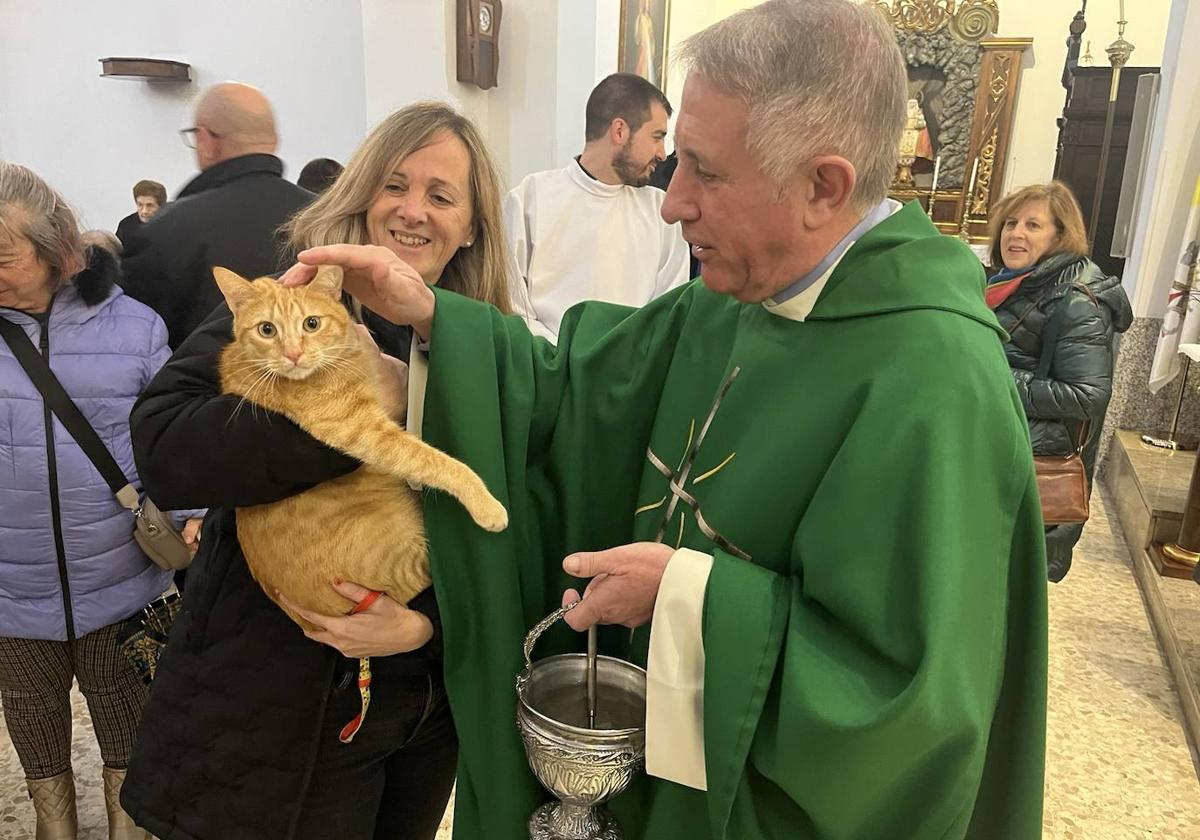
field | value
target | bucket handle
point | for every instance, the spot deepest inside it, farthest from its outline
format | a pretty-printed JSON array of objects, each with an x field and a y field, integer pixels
[{"x": 541, "y": 627}]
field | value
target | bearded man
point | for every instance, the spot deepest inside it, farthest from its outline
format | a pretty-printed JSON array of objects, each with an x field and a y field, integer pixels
[{"x": 594, "y": 230}]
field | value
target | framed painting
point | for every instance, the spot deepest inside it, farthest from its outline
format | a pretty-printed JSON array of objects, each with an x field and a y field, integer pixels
[{"x": 643, "y": 48}]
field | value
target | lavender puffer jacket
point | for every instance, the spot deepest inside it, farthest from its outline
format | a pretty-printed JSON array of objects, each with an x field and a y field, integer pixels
[{"x": 69, "y": 568}]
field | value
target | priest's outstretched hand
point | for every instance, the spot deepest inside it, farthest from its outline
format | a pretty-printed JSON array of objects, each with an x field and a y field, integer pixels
[
  {"x": 624, "y": 584},
  {"x": 377, "y": 278}
]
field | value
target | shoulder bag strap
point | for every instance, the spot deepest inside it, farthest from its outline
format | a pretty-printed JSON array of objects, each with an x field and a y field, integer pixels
[
  {"x": 68, "y": 413},
  {"x": 1049, "y": 340}
]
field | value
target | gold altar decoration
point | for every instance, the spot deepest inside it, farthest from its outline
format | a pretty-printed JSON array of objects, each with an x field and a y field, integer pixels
[
  {"x": 968, "y": 78},
  {"x": 967, "y": 20},
  {"x": 909, "y": 140}
]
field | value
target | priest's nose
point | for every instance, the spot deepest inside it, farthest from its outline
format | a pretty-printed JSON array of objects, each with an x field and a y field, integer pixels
[{"x": 679, "y": 206}]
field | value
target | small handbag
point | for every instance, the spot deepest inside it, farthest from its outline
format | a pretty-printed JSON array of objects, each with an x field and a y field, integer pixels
[
  {"x": 153, "y": 529},
  {"x": 1063, "y": 486},
  {"x": 1061, "y": 479}
]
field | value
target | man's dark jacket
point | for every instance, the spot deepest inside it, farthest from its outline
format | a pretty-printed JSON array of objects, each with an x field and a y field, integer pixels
[
  {"x": 128, "y": 229},
  {"x": 228, "y": 215}
]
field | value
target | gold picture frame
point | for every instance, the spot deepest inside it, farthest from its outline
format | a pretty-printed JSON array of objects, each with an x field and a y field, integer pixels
[{"x": 644, "y": 33}]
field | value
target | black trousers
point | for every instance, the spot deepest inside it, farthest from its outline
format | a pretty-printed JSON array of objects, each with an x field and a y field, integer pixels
[{"x": 392, "y": 782}]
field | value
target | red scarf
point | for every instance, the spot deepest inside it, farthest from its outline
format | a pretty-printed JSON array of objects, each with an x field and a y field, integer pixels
[{"x": 997, "y": 293}]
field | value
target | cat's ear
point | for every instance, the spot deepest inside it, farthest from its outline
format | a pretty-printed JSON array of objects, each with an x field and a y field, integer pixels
[
  {"x": 328, "y": 281},
  {"x": 237, "y": 290}
]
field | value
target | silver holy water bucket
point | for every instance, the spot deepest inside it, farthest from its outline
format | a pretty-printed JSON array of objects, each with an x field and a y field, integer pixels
[{"x": 584, "y": 767}]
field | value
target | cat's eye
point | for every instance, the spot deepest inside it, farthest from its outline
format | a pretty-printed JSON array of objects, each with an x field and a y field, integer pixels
[
  {"x": 311, "y": 323},
  {"x": 266, "y": 329}
]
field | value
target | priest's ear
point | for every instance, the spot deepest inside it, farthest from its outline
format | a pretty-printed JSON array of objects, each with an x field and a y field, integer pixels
[{"x": 827, "y": 183}]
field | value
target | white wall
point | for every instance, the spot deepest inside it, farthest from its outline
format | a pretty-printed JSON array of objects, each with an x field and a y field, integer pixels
[
  {"x": 1041, "y": 96},
  {"x": 408, "y": 55},
  {"x": 688, "y": 18},
  {"x": 93, "y": 138},
  {"x": 335, "y": 68},
  {"x": 522, "y": 110}
]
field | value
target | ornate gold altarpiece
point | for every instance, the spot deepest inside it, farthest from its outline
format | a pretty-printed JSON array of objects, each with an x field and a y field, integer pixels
[{"x": 950, "y": 46}]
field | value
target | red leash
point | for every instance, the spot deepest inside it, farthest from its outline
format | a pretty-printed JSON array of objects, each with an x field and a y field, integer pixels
[{"x": 364, "y": 676}]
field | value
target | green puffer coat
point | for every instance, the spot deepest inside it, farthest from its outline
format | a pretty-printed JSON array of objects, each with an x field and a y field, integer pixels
[{"x": 1090, "y": 308}]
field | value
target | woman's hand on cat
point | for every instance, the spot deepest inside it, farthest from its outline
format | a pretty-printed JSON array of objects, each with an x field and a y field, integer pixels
[
  {"x": 392, "y": 376},
  {"x": 383, "y": 629},
  {"x": 377, "y": 278},
  {"x": 191, "y": 534}
]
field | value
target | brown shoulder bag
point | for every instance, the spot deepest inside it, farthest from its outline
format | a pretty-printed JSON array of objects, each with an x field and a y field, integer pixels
[{"x": 1061, "y": 480}]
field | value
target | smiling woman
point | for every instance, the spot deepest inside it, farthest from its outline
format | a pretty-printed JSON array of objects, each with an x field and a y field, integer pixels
[
  {"x": 422, "y": 190},
  {"x": 423, "y": 214},
  {"x": 1060, "y": 311},
  {"x": 424, "y": 186}
]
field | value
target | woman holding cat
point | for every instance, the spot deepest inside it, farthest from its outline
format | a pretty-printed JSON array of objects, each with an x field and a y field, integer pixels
[{"x": 240, "y": 735}]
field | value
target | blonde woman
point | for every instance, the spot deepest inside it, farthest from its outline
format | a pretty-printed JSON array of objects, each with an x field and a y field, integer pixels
[
  {"x": 1061, "y": 312},
  {"x": 240, "y": 734}
]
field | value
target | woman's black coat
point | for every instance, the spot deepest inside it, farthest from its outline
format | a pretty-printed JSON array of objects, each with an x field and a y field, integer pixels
[
  {"x": 1067, "y": 311},
  {"x": 229, "y": 734}
]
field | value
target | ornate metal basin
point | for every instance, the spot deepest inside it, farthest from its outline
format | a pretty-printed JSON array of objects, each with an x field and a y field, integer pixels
[{"x": 583, "y": 767}]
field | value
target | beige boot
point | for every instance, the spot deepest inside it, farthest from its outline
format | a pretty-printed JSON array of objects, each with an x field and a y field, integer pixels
[
  {"x": 120, "y": 825},
  {"x": 54, "y": 804}
]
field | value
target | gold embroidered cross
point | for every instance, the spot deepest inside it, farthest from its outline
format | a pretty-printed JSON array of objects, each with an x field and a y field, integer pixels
[{"x": 677, "y": 480}]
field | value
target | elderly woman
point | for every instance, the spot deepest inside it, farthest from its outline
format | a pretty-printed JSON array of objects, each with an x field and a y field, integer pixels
[
  {"x": 149, "y": 196},
  {"x": 1056, "y": 305},
  {"x": 240, "y": 736},
  {"x": 71, "y": 570}
]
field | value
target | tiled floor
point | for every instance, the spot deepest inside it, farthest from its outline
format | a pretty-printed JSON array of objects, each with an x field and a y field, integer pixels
[{"x": 1118, "y": 765}]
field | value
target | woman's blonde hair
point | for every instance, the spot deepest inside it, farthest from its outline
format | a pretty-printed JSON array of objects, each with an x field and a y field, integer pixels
[
  {"x": 339, "y": 215},
  {"x": 1064, "y": 209},
  {"x": 30, "y": 208}
]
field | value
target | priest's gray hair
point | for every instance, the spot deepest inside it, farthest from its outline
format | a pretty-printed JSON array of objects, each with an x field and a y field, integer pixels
[{"x": 818, "y": 77}]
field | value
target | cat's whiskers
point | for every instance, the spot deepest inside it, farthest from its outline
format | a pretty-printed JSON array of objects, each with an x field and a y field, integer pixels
[
  {"x": 266, "y": 376},
  {"x": 336, "y": 364},
  {"x": 245, "y": 363},
  {"x": 335, "y": 350}
]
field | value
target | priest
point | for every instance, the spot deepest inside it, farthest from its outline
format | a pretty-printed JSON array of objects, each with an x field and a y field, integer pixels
[{"x": 804, "y": 479}]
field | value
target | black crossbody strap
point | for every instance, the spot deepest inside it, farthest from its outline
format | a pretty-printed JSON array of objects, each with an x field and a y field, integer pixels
[
  {"x": 68, "y": 413},
  {"x": 1050, "y": 338}
]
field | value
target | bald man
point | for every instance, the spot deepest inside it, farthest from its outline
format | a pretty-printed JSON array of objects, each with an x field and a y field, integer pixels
[{"x": 227, "y": 215}]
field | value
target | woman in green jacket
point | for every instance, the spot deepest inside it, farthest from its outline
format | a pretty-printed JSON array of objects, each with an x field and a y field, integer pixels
[{"x": 1061, "y": 312}]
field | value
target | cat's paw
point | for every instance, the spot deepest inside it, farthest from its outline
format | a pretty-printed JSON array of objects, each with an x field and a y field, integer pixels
[{"x": 490, "y": 515}]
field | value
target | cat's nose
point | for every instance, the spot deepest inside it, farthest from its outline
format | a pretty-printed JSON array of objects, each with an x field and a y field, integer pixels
[{"x": 293, "y": 355}]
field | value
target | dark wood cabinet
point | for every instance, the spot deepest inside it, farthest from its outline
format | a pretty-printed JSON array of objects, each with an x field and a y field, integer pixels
[{"x": 1080, "y": 138}]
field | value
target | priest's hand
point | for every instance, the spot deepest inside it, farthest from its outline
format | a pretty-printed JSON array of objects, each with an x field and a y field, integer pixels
[
  {"x": 382, "y": 629},
  {"x": 624, "y": 584},
  {"x": 377, "y": 278}
]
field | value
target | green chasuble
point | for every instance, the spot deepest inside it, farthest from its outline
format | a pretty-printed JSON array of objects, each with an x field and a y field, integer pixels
[{"x": 876, "y": 668}]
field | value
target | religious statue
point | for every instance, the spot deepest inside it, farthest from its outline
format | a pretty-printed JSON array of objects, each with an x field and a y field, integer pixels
[
  {"x": 646, "y": 66},
  {"x": 914, "y": 126}
]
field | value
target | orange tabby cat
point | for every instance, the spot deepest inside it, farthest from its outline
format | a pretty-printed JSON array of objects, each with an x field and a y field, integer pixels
[{"x": 297, "y": 352}]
